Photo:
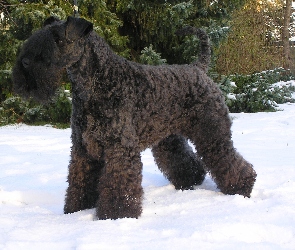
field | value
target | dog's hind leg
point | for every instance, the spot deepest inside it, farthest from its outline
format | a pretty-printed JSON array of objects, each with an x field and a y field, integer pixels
[
  {"x": 210, "y": 131},
  {"x": 176, "y": 159}
]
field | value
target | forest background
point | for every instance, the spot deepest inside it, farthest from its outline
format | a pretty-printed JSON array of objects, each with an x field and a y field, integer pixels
[{"x": 251, "y": 46}]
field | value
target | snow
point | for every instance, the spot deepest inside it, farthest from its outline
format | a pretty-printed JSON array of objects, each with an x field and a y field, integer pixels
[
  {"x": 33, "y": 170},
  {"x": 281, "y": 84}
]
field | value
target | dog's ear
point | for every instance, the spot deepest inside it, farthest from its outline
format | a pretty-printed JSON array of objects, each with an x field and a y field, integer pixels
[
  {"x": 77, "y": 28},
  {"x": 50, "y": 20}
]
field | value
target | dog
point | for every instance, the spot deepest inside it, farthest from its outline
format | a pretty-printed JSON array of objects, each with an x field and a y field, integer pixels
[{"x": 120, "y": 108}]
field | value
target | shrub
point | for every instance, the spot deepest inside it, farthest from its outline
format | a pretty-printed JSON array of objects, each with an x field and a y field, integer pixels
[
  {"x": 257, "y": 92},
  {"x": 5, "y": 84},
  {"x": 57, "y": 112},
  {"x": 11, "y": 110},
  {"x": 151, "y": 57}
]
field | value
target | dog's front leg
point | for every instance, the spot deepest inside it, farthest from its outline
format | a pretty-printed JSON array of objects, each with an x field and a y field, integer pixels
[
  {"x": 82, "y": 178},
  {"x": 120, "y": 190}
]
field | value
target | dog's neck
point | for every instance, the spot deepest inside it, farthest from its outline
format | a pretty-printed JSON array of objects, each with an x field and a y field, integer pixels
[
  {"x": 95, "y": 61},
  {"x": 95, "y": 56}
]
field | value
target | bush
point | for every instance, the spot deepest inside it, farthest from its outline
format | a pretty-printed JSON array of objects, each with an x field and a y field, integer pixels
[
  {"x": 151, "y": 57},
  {"x": 57, "y": 112},
  {"x": 12, "y": 110},
  {"x": 257, "y": 92},
  {"x": 5, "y": 84}
]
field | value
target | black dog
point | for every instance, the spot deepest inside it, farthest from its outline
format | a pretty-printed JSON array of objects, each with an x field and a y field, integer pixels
[{"x": 121, "y": 108}]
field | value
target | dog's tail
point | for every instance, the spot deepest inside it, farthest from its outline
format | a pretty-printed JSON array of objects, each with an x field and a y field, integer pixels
[{"x": 204, "y": 56}]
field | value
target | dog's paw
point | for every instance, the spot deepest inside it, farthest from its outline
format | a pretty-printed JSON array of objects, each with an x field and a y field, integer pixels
[{"x": 245, "y": 182}]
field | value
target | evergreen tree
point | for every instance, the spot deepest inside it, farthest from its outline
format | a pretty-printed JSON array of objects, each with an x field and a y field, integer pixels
[
  {"x": 155, "y": 22},
  {"x": 106, "y": 24}
]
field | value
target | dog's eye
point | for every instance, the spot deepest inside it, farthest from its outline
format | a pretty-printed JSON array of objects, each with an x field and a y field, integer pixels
[{"x": 60, "y": 42}]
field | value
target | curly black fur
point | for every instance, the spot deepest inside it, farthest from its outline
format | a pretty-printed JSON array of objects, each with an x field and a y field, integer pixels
[{"x": 121, "y": 108}]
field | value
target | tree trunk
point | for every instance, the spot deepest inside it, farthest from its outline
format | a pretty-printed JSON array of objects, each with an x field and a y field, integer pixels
[{"x": 286, "y": 35}]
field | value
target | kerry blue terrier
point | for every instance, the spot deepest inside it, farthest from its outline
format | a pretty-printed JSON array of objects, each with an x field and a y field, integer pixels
[{"x": 121, "y": 108}]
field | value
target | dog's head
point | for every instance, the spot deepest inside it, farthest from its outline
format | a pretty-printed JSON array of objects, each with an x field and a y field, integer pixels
[{"x": 44, "y": 56}]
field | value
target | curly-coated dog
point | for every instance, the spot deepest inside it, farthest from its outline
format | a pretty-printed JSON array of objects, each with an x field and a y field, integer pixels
[{"x": 121, "y": 108}]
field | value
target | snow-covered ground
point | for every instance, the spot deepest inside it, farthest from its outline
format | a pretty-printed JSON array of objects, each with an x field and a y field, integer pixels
[{"x": 33, "y": 170}]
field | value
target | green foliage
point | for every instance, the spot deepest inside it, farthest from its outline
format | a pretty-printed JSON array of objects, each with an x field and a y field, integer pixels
[
  {"x": 151, "y": 57},
  {"x": 59, "y": 110},
  {"x": 155, "y": 22},
  {"x": 5, "y": 84},
  {"x": 188, "y": 49},
  {"x": 257, "y": 92},
  {"x": 16, "y": 110},
  {"x": 21, "y": 25},
  {"x": 11, "y": 110},
  {"x": 106, "y": 24},
  {"x": 216, "y": 11}
]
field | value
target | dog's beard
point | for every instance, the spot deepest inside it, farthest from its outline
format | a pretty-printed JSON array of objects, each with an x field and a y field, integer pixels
[{"x": 41, "y": 86}]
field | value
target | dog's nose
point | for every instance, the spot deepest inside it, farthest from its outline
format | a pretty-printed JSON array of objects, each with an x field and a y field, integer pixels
[{"x": 26, "y": 62}]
